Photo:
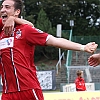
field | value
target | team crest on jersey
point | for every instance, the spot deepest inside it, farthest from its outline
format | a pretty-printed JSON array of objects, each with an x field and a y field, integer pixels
[
  {"x": 18, "y": 34},
  {"x": 39, "y": 30}
]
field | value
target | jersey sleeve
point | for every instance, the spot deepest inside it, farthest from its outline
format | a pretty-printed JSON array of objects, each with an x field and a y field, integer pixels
[
  {"x": 1, "y": 25},
  {"x": 35, "y": 36}
]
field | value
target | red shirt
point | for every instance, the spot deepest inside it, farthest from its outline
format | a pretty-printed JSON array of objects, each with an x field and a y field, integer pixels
[
  {"x": 19, "y": 72},
  {"x": 80, "y": 84},
  {"x": 1, "y": 26}
]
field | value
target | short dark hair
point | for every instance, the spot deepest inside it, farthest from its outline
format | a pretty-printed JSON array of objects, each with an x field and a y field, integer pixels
[
  {"x": 79, "y": 73},
  {"x": 18, "y": 4}
]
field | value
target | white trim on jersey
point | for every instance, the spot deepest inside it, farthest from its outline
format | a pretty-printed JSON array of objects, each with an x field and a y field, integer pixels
[
  {"x": 48, "y": 38},
  {"x": 35, "y": 94},
  {"x": 15, "y": 70}
]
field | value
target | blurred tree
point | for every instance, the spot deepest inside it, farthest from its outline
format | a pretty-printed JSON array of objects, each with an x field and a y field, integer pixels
[
  {"x": 44, "y": 24},
  {"x": 84, "y": 12}
]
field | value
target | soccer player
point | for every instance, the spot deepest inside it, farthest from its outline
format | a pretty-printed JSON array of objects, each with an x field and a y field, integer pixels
[
  {"x": 17, "y": 52},
  {"x": 80, "y": 82}
]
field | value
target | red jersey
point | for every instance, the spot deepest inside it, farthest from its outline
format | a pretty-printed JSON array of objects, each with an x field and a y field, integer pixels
[
  {"x": 17, "y": 53},
  {"x": 80, "y": 84},
  {"x": 1, "y": 26}
]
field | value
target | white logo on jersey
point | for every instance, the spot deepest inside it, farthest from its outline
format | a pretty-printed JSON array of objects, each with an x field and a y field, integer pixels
[{"x": 6, "y": 42}]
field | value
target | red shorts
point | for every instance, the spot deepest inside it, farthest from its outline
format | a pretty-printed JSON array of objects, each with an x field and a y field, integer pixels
[{"x": 23, "y": 95}]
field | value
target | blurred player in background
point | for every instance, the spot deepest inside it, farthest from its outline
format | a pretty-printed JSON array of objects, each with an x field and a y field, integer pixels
[{"x": 80, "y": 82}]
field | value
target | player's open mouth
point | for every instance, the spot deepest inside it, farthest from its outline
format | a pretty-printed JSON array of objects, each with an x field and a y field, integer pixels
[{"x": 4, "y": 16}]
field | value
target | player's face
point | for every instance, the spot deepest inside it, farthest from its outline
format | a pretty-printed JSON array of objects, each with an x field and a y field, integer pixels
[
  {"x": 7, "y": 9},
  {"x": 81, "y": 75}
]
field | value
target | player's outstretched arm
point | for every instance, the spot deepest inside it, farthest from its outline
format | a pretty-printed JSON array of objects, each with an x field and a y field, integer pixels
[
  {"x": 94, "y": 60},
  {"x": 66, "y": 44}
]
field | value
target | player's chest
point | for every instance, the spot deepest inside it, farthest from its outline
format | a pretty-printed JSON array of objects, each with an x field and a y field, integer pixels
[{"x": 16, "y": 38}]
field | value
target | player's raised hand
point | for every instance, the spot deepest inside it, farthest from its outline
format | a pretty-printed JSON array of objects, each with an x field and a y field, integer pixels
[
  {"x": 94, "y": 60},
  {"x": 9, "y": 26},
  {"x": 90, "y": 47}
]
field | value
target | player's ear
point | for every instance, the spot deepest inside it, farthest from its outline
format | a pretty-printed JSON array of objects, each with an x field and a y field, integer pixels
[{"x": 17, "y": 12}]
